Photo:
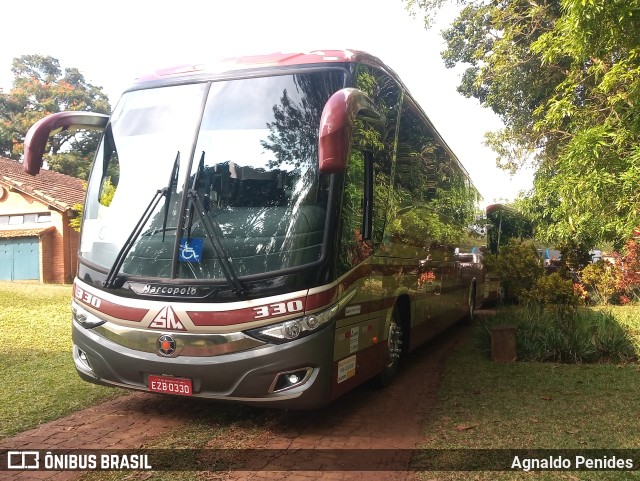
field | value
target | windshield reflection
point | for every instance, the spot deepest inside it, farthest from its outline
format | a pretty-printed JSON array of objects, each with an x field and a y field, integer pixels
[{"x": 255, "y": 174}]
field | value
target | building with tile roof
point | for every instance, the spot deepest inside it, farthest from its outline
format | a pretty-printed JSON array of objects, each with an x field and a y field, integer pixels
[{"x": 36, "y": 242}]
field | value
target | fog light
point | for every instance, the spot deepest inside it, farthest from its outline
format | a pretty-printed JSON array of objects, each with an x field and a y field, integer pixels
[
  {"x": 82, "y": 360},
  {"x": 291, "y": 379}
]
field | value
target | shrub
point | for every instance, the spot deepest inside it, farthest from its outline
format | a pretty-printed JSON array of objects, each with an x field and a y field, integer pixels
[
  {"x": 629, "y": 272},
  {"x": 553, "y": 292},
  {"x": 601, "y": 278},
  {"x": 613, "y": 342},
  {"x": 574, "y": 257},
  {"x": 541, "y": 335},
  {"x": 618, "y": 282},
  {"x": 518, "y": 266}
]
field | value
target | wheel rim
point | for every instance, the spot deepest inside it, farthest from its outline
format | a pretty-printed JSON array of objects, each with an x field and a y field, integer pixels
[
  {"x": 472, "y": 303},
  {"x": 394, "y": 343}
]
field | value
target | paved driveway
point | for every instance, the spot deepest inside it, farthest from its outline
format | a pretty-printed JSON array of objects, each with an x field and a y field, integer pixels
[{"x": 381, "y": 420}]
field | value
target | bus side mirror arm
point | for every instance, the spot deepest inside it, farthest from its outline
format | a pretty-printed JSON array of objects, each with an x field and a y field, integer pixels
[
  {"x": 39, "y": 133},
  {"x": 336, "y": 125}
]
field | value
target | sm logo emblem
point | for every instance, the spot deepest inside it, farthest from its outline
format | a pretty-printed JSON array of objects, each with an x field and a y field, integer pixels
[{"x": 167, "y": 319}]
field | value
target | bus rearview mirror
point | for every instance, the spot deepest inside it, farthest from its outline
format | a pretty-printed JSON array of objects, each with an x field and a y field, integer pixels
[
  {"x": 38, "y": 135},
  {"x": 336, "y": 126}
]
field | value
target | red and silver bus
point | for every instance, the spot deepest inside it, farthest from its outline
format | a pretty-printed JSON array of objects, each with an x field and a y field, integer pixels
[{"x": 271, "y": 230}]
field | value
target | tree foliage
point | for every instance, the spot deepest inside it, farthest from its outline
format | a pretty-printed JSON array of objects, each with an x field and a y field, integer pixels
[
  {"x": 293, "y": 134},
  {"x": 564, "y": 77},
  {"x": 41, "y": 88},
  {"x": 505, "y": 222}
]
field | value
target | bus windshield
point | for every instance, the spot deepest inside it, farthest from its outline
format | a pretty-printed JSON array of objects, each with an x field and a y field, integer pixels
[{"x": 188, "y": 177}]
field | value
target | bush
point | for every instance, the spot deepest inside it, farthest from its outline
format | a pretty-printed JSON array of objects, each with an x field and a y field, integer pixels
[
  {"x": 629, "y": 272},
  {"x": 554, "y": 292},
  {"x": 613, "y": 342},
  {"x": 618, "y": 282},
  {"x": 518, "y": 266},
  {"x": 541, "y": 335},
  {"x": 601, "y": 280}
]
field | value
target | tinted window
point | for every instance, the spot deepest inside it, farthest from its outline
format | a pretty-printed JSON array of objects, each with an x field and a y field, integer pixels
[
  {"x": 374, "y": 144},
  {"x": 433, "y": 201}
]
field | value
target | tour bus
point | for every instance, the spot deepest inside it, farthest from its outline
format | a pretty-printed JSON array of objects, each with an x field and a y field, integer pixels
[{"x": 270, "y": 230}]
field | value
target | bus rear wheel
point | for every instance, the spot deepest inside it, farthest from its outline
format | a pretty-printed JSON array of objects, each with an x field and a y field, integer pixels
[
  {"x": 394, "y": 350},
  {"x": 471, "y": 305}
]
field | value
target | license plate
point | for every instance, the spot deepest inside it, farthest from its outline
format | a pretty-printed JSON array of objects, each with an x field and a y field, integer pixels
[{"x": 171, "y": 385}]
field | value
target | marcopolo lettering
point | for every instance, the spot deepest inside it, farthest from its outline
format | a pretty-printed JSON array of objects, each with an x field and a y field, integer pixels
[{"x": 170, "y": 290}]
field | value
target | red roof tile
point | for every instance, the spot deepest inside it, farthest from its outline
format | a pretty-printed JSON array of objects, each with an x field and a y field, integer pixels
[
  {"x": 37, "y": 231},
  {"x": 57, "y": 190}
]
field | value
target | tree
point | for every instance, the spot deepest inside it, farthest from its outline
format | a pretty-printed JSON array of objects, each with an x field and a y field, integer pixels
[
  {"x": 564, "y": 76},
  {"x": 506, "y": 222},
  {"x": 40, "y": 88}
]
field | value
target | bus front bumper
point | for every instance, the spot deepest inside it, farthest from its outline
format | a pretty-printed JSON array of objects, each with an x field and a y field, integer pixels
[{"x": 248, "y": 377}]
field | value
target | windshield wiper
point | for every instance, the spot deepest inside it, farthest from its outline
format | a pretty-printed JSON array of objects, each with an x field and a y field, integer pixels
[
  {"x": 137, "y": 229},
  {"x": 214, "y": 234},
  {"x": 173, "y": 184},
  {"x": 194, "y": 187},
  {"x": 213, "y": 231}
]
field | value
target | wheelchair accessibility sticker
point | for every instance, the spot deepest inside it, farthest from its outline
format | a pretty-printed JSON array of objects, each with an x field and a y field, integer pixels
[{"x": 190, "y": 250}]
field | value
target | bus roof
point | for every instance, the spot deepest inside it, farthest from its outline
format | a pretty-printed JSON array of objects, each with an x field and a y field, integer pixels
[
  {"x": 226, "y": 67},
  {"x": 276, "y": 59}
]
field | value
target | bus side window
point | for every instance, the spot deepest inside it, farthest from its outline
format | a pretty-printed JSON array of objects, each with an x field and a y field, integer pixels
[
  {"x": 366, "y": 166},
  {"x": 415, "y": 221},
  {"x": 110, "y": 170},
  {"x": 456, "y": 198},
  {"x": 372, "y": 147},
  {"x": 353, "y": 248},
  {"x": 386, "y": 95}
]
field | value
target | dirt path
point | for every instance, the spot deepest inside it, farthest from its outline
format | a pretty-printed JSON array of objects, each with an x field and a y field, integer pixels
[{"x": 367, "y": 418}]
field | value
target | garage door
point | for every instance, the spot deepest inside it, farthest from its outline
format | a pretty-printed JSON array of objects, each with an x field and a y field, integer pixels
[{"x": 19, "y": 259}]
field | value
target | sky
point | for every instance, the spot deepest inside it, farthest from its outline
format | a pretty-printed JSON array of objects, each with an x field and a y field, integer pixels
[{"x": 114, "y": 42}]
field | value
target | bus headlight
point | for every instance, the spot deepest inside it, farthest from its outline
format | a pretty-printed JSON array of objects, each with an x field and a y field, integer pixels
[
  {"x": 295, "y": 328},
  {"x": 84, "y": 317}
]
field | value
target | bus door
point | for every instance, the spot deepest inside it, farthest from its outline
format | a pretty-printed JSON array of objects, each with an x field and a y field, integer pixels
[
  {"x": 360, "y": 324},
  {"x": 433, "y": 283}
]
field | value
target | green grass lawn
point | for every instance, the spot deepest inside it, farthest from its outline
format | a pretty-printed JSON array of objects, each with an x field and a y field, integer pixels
[
  {"x": 485, "y": 405},
  {"x": 481, "y": 404},
  {"x": 37, "y": 375},
  {"x": 522, "y": 405}
]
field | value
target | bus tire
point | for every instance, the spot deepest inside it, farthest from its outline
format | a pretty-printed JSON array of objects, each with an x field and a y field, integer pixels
[
  {"x": 394, "y": 350},
  {"x": 471, "y": 305}
]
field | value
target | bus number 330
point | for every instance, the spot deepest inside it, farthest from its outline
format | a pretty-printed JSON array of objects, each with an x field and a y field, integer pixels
[{"x": 278, "y": 309}]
